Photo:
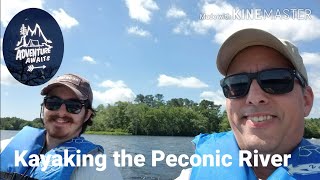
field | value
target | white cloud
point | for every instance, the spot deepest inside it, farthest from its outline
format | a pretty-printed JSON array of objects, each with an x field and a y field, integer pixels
[
  {"x": 314, "y": 80},
  {"x": 1, "y": 53},
  {"x": 89, "y": 59},
  {"x": 216, "y": 96},
  {"x": 6, "y": 77},
  {"x": 141, "y": 10},
  {"x": 113, "y": 84},
  {"x": 174, "y": 12},
  {"x": 315, "y": 113},
  {"x": 9, "y": 8},
  {"x": 311, "y": 58},
  {"x": 118, "y": 91},
  {"x": 64, "y": 20},
  {"x": 181, "y": 28},
  {"x": 223, "y": 19},
  {"x": 138, "y": 31},
  {"x": 187, "y": 82}
]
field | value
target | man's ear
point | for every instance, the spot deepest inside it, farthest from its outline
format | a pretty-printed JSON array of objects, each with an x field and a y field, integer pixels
[
  {"x": 88, "y": 115},
  {"x": 308, "y": 100}
]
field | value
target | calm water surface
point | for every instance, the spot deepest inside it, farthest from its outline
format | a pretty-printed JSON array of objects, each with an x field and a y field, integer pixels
[{"x": 142, "y": 145}]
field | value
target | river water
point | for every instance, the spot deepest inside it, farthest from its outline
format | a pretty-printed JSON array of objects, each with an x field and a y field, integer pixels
[{"x": 142, "y": 145}]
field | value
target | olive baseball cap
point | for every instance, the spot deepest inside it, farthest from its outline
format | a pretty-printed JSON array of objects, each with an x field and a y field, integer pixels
[
  {"x": 252, "y": 37},
  {"x": 79, "y": 85}
]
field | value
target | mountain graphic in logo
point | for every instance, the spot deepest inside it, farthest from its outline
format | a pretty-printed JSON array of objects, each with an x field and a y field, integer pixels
[{"x": 32, "y": 38}]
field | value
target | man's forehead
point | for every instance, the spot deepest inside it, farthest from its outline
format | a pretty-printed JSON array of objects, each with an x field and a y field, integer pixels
[
  {"x": 255, "y": 58},
  {"x": 260, "y": 49}
]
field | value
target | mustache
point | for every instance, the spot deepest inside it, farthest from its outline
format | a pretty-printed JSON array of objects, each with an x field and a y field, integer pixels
[{"x": 55, "y": 116}]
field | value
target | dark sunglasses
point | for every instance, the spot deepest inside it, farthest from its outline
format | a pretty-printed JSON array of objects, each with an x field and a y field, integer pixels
[
  {"x": 272, "y": 81},
  {"x": 73, "y": 106}
]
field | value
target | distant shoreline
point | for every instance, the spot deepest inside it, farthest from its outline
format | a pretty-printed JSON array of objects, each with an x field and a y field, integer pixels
[{"x": 107, "y": 133}]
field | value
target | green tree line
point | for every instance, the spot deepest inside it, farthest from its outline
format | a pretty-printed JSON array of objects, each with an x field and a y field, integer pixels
[{"x": 151, "y": 115}]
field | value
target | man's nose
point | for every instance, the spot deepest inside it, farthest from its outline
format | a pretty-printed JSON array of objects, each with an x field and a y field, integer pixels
[
  {"x": 256, "y": 95},
  {"x": 62, "y": 110}
]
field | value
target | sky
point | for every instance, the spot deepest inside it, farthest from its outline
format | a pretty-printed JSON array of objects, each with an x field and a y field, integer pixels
[{"x": 130, "y": 47}]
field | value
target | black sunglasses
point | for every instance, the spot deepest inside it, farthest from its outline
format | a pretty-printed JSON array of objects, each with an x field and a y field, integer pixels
[
  {"x": 272, "y": 81},
  {"x": 73, "y": 106}
]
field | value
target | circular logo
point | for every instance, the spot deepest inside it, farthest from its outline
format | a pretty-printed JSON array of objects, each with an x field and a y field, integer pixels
[{"x": 33, "y": 47}]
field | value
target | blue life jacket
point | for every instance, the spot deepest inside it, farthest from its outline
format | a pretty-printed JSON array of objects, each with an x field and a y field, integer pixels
[
  {"x": 303, "y": 164},
  {"x": 33, "y": 140}
]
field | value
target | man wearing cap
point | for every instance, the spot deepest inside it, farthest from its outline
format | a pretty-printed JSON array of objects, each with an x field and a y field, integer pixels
[
  {"x": 267, "y": 97},
  {"x": 67, "y": 111}
]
